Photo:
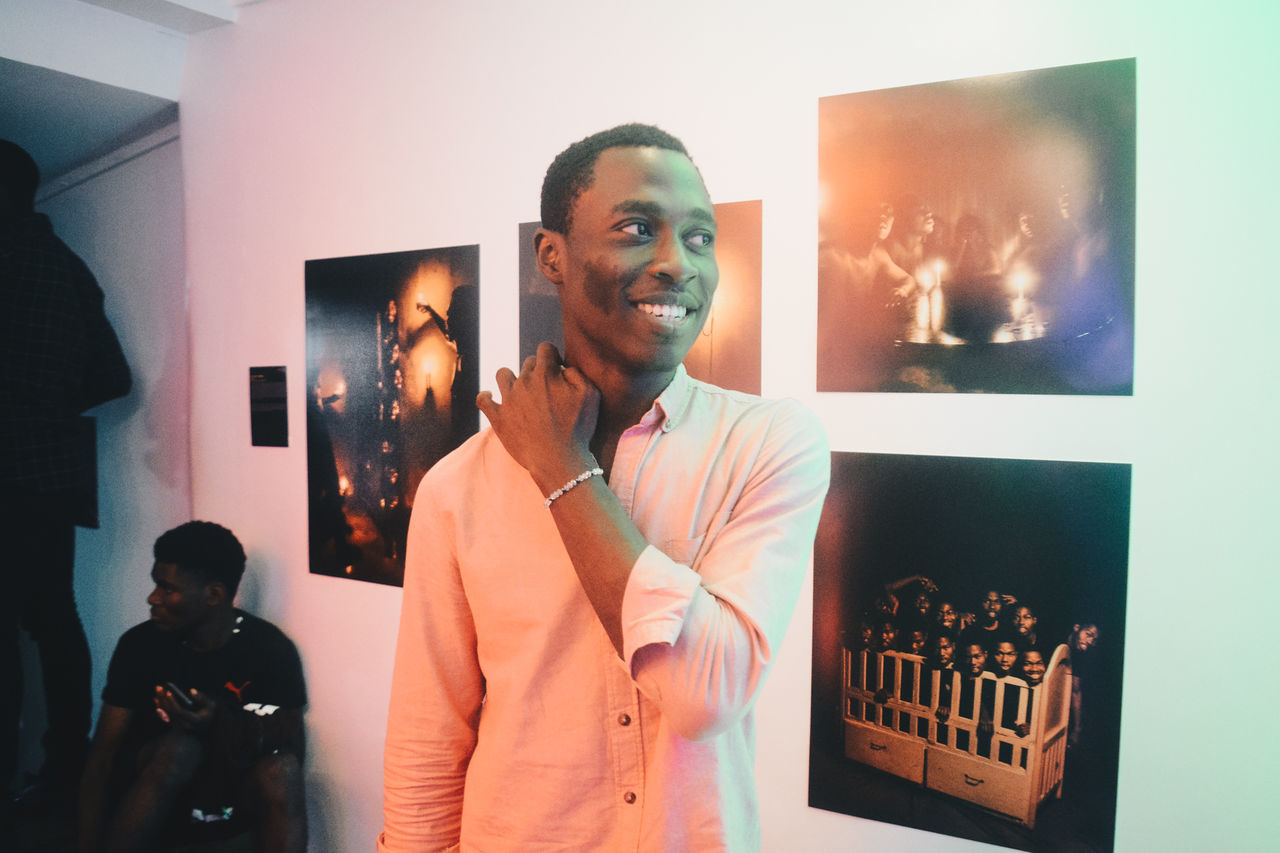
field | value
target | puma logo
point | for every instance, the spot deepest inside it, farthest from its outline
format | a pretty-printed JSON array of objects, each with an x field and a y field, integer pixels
[{"x": 237, "y": 690}]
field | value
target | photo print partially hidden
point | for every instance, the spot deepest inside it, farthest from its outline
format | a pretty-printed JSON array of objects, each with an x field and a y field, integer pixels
[
  {"x": 968, "y": 643},
  {"x": 392, "y": 377},
  {"x": 977, "y": 235}
]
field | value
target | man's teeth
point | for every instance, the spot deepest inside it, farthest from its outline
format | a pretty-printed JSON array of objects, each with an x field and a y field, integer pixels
[{"x": 664, "y": 312}]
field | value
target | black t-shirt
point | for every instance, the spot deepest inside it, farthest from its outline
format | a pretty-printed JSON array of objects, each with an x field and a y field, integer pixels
[{"x": 257, "y": 669}]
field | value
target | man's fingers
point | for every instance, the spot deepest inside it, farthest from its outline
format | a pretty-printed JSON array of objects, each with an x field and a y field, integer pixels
[
  {"x": 548, "y": 355},
  {"x": 484, "y": 402}
]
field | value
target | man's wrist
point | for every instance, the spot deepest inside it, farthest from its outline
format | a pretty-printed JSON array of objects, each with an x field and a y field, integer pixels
[{"x": 556, "y": 473}]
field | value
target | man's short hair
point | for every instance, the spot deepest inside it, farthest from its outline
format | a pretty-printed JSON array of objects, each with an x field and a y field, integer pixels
[
  {"x": 573, "y": 170},
  {"x": 19, "y": 177},
  {"x": 205, "y": 549}
]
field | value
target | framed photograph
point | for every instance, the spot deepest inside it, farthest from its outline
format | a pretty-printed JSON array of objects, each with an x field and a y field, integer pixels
[
  {"x": 968, "y": 646},
  {"x": 727, "y": 353},
  {"x": 392, "y": 377},
  {"x": 977, "y": 235}
]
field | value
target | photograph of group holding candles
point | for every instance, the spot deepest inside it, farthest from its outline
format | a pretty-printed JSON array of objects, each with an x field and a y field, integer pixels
[{"x": 977, "y": 235}]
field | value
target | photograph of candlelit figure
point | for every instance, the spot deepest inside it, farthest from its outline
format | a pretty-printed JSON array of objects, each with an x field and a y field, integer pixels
[
  {"x": 392, "y": 378},
  {"x": 727, "y": 352},
  {"x": 977, "y": 235},
  {"x": 968, "y": 643}
]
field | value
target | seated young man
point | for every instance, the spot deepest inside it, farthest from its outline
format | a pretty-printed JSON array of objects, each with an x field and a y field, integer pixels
[{"x": 200, "y": 734}]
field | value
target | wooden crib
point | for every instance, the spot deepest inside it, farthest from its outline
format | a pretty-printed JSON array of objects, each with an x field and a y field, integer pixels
[{"x": 890, "y": 715}]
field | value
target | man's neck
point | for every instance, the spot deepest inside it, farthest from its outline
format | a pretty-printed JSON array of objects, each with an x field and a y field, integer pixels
[
  {"x": 625, "y": 397},
  {"x": 213, "y": 633}
]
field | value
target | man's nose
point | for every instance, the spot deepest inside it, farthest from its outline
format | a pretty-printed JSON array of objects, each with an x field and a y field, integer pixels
[
  {"x": 154, "y": 598},
  {"x": 672, "y": 262}
]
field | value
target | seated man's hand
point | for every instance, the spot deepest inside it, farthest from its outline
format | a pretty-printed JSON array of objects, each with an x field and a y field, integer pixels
[
  {"x": 943, "y": 714},
  {"x": 1022, "y": 729},
  {"x": 881, "y": 696},
  {"x": 191, "y": 711}
]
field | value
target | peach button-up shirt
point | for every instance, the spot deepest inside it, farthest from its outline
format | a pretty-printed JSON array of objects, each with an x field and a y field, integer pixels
[{"x": 515, "y": 726}]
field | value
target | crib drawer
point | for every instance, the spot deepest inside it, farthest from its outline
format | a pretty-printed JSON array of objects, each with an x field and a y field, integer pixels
[
  {"x": 979, "y": 781},
  {"x": 886, "y": 750}
]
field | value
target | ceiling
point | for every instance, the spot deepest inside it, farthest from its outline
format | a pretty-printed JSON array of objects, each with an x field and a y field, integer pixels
[{"x": 81, "y": 78}]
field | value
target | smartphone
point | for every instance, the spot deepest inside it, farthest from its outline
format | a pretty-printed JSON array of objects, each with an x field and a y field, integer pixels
[{"x": 179, "y": 695}]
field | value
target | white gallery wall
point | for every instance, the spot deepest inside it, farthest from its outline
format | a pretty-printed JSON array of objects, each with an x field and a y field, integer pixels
[{"x": 332, "y": 127}]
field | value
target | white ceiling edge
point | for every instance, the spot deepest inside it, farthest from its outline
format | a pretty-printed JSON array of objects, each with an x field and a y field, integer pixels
[
  {"x": 121, "y": 155},
  {"x": 184, "y": 16},
  {"x": 98, "y": 44}
]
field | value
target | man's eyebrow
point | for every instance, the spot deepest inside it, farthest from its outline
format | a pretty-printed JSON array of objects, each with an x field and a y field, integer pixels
[{"x": 657, "y": 211}]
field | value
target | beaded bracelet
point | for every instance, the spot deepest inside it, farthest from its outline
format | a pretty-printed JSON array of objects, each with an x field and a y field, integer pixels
[{"x": 581, "y": 478}]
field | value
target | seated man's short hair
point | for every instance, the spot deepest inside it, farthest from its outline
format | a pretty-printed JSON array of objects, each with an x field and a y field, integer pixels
[{"x": 203, "y": 548}]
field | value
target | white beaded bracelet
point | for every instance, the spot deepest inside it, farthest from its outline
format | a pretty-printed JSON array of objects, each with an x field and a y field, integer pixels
[{"x": 581, "y": 478}]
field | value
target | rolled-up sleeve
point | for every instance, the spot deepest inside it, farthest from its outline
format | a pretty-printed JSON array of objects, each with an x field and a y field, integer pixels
[{"x": 700, "y": 635}]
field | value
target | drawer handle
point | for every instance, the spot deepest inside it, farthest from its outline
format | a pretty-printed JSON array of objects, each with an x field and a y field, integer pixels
[
  {"x": 973, "y": 781},
  {"x": 878, "y": 747}
]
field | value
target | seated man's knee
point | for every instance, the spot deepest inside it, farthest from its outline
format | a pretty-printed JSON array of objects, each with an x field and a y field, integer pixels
[
  {"x": 171, "y": 759},
  {"x": 276, "y": 780}
]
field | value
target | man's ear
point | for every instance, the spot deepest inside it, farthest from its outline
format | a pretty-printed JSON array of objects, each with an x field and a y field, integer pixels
[
  {"x": 549, "y": 250},
  {"x": 215, "y": 594}
]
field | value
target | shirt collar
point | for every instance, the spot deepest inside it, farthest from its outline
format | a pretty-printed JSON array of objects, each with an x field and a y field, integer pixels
[{"x": 669, "y": 409}]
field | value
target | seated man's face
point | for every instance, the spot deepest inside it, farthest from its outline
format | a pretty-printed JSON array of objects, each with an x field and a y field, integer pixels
[
  {"x": 976, "y": 657},
  {"x": 918, "y": 641},
  {"x": 178, "y": 601},
  {"x": 1033, "y": 667},
  {"x": 637, "y": 270},
  {"x": 946, "y": 615},
  {"x": 1006, "y": 655}
]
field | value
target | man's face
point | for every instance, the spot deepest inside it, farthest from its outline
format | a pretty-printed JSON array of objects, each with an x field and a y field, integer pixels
[
  {"x": 946, "y": 615},
  {"x": 1024, "y": 620},
  {"x": 922, "y": 221},
  {"x": 991, "y": 605},
  {"x": 1033, "y": 667},
  {"x": 637, "y": 270},
  {"x": 1086, "y": 637},
  {"x": 918, "y": 641},
  {"x": 885, "y": 636},
  {"x": 1006, "y": 655},
  {"x": 976, "y": 657},
  {"x": 179, "y": 601},
  {"x": 944, "y": 650},
  {"x": 884, "y": 223}
]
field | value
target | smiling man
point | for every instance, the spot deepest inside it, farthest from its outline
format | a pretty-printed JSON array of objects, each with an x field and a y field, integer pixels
[
  {"x": 596, "y": 587},
  {"x": 200, "y": 734}
]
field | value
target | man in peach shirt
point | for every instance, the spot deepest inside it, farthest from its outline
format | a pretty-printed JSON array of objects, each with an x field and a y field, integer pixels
[{"x": 595, "y": 587}]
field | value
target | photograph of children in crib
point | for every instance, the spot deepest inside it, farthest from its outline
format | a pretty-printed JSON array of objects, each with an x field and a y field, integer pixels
[{"x": 968, "y": 638}]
